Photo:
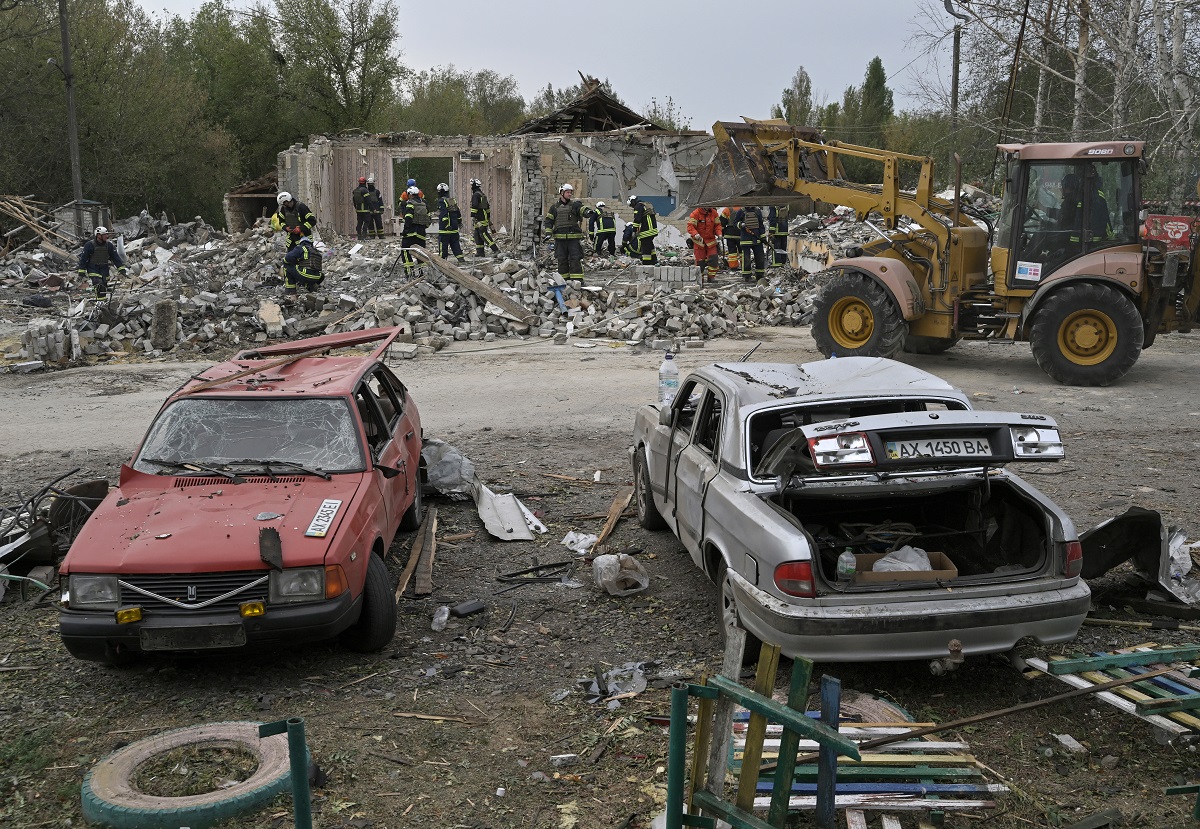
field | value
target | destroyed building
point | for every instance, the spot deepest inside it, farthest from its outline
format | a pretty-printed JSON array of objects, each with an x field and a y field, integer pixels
[{"x": 607, "y": 151}]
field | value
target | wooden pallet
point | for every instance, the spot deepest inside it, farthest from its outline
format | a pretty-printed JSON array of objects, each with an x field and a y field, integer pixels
[
  {"x": 1176, "y": 687},
  {"x": 911, "y": 776}
]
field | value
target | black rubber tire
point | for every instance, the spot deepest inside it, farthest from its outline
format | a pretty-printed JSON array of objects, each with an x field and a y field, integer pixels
[
  {"x": 1086, "y": 335},
  {"x": 415, "y": 514},
  {"x": 648, "y": 515},
  {"x": 914, "y": 344},
  {"x": 376, "y": 623},
  {"x": 109, "y": 798},
  {"x": 727, "y": 615},
  {"x": 854, "y": 317}
]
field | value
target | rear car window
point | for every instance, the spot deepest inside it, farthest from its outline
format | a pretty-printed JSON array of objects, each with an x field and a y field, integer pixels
[{"x": 315, "y": 432}]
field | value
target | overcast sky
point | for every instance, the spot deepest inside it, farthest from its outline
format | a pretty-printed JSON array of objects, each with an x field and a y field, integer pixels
[{"x": 717, "y": 60}]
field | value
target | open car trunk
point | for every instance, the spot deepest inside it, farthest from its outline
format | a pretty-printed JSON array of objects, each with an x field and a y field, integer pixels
[{"x": 988, "y": 531}]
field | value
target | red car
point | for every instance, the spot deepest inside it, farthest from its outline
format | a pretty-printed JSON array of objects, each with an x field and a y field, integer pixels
[{"x": 258, "y": 509}]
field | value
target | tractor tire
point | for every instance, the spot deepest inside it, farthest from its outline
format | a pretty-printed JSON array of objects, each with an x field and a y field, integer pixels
[
  {"x": 854, "y": 317},
  {"x": 914, "y": 344},
  {"x": 647, "y": 512},
  {"x": 727, "y": 616},
  {"x": 1086, "y": 335},
  {"x": 108, "y": 796},
  {"x": 376, "y": 623}
]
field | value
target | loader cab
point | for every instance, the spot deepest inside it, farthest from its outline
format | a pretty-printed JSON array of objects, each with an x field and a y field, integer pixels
[{"x": 1064, "y": 202}]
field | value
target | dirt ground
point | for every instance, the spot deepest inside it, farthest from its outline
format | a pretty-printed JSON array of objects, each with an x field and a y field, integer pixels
[{"x": 520, "y": 412}]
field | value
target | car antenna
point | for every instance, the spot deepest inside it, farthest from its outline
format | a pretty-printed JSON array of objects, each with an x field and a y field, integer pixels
[{"x": 746, "y": 356}]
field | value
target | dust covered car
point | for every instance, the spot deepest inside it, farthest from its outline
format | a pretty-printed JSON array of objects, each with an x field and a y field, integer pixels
[
  {"x": 769, "y": 473},
  {"x": 257, "y": 509}
]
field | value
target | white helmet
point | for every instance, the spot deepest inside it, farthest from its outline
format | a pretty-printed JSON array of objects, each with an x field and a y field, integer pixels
[
  {"x": 371, "y": 179},
  {"x": 102, "y": 231},
  {"x": 599, "y": 204},
  {"x": 568, "y": 187},
  {"x": 414, "y": 191},
  {"x": 476, "y": 182},
  {"x": 632, "y": 199},
  {"x": 443, "y": 188},
  {"x": 283, "y": 196}
]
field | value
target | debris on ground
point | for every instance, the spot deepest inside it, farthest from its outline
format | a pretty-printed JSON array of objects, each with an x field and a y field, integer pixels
[{"x": 1161, "y": 555}]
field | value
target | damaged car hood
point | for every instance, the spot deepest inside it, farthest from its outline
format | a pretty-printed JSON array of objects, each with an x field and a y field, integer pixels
[{"x": 190, "y": 525}]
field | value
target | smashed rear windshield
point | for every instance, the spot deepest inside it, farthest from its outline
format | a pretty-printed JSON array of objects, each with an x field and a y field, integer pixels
[{"x": 319, "y": 433}]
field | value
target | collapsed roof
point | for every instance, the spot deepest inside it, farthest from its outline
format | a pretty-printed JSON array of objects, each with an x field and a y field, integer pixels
[{"x": 593, "y": 111}]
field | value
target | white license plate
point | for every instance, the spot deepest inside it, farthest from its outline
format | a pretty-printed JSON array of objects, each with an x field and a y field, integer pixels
[
  {"x": 938, "y": 448},
  {"x": 323, "y": 520}
]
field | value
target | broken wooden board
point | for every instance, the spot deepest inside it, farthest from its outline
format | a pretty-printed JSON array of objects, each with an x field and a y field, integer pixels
[
  {"x": 424, "y": 575},
  {"x": 619, "y": 503},
  {"x": 414, "y": 556},
  {"x": 478, "y": 287}
]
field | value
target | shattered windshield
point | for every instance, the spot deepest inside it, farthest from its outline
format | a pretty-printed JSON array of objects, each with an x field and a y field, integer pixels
[{"x": 319, "y": 433}]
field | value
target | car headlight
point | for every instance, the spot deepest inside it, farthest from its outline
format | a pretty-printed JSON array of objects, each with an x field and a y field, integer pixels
[
  {"x": 1034, "y": 442},
  {"x": 847, "y": 449},
  {"x": 300, "y": 584},
  {"x": 93, "y": 592}
]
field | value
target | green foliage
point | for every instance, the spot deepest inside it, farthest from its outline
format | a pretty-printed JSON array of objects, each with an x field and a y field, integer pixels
[
  {"x": 667, "y": 115},
  {"x": 862, "y": 118},
  {"x": 796, "y": 104},
  {"x": 550, "y": 99},
  {"x": 448, "y": 101}
]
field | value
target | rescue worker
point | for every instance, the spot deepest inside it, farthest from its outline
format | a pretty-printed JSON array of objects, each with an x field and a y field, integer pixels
[
  {"x": 302, "y": 267},
  {"x": 375, "y": 203},
  {"x": 629, "y": 240},
  {"x": 416, "y": 219},
  {"x": 729, "y": 233},
  {"x": 294, "y": 217},
  {"x": 449, "y": 221},
  {"x": 481, "y": 219},
  {"x": 777, "y": 222},
  {"x": 704, "y": 231},
  {"x": 645, "y": 224},
  {"x": 412, "y": 182},
  {"x": 752, "y": 231},
  {"x": 602, "y": 225},
  {"x": 94, "y": 260},
  {"x": 563, "y": 220},
  {"x": 362, "y": 210}
]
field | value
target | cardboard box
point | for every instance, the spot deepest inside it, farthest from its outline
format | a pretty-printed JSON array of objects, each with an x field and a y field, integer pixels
[{"x": 943, "y": 570}]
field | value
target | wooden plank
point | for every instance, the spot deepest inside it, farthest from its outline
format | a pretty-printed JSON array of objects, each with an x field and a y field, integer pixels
[
  {"x": 871, "y": 773},
  {"x": 855, "y": 819},
  {"x": 1186, "y": 653},
  {"x": 1112, "y": 699},
  {"x": 718, "y": 749},
  {"x": 700, "y": 742},
  {"x": 1139, "y": 692},
  {"x": 477, "y": 286},
  {"x": 414, "y": 555},
  {"x": 423, "y": 585},
  {"x": 900, "y": 803},
  {"x": 619, "y": 502},
  {"x": 764, "y": 686},
  {"x": 893, "y": 787},
  {"x": 797, "y": 697},
  {"x": 914, "y": 745},
  {"x": 891, "y": 822}
]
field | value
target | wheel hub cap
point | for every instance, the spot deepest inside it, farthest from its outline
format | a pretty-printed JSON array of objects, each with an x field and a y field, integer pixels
[{"x": 1088, "y": 337}]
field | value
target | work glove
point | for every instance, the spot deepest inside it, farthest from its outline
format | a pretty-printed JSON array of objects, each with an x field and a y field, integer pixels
[{"x": 122, "y": 271}]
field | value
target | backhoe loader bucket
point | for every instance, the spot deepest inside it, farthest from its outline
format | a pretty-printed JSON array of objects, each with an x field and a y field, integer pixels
[{"x": 746, "y": 168}]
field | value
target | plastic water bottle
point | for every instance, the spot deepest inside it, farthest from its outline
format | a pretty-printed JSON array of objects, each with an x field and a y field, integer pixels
[
  {"x": 668, "y": 380},
  {"x": 846, "y": 565}
]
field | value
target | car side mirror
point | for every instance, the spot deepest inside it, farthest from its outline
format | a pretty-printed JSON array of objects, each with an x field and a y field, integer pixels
[
  {"x": 665, "y": 416},
  {"x": 388, "y": 472}
]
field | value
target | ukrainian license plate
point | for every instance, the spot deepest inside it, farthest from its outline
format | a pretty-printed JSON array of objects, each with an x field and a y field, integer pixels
[
  {"x": 323, "y": 520},
  {"x": 938, "y": 448},
  {"x": 192, "y": 637}
]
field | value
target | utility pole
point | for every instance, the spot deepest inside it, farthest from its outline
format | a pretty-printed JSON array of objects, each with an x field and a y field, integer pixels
[
  {"x": 954, "y": 79},
  {"x": 72, "y": 128}
]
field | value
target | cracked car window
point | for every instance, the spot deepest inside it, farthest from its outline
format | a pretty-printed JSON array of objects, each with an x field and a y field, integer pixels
[{"x": 318, "y": 432}]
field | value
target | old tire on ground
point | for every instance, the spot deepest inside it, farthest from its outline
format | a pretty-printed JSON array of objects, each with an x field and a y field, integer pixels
[
  {"x": 1086, "y": 335},
  {"x": 648, "y": 515},
  {"x": 727, "y": 616},
  {"x": 915, "y": 344},
  {"x": 415, "y": 514},
  {"x": 108, "y": 796},
  {"x": 376, "y": 623},
  {"x": 853, "y": 316}
]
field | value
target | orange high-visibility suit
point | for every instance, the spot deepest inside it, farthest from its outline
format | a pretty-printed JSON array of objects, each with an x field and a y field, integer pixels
[{"x": 704, "y": 228}]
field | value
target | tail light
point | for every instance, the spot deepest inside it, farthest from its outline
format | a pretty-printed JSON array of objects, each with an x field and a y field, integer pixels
[
  {"x": 846, "y": 449},
  {"x": 1074, "y": 563},
  {"x": 796, "y": 579}
]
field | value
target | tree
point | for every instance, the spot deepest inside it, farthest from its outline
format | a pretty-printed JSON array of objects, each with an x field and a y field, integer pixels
[
  {"x": 667, "y": 115},
  {"x": 861, "y": 118},
  {"x": 448, "y": 101},
  {"x": 340, "y": 62},
  {"x": 796, "y": 105},
  {"x": 550, "y": 99}
]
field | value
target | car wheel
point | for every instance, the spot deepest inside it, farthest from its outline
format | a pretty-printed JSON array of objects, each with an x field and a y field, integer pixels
[
  {"x": 376, "y": 623},
  {"x": 1086, "y": 335},
  {"x": 109, "y": 797},
  {"x": 415, "y": 514},
  {"x": 727, "y": 616},
  {"x": 648, "y": 515},
  {"x": 854, "y": 317},
  {"x": 915, "y": 344}
]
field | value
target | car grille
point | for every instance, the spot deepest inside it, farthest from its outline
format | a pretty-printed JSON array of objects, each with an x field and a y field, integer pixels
[
  {"x": 180, "y": 483},
  {"x": 193, "y": 590}
]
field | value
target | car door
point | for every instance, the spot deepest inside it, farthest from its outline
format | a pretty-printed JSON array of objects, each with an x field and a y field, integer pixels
[
  {"x": 405, "y": 430},
  {"x": 696, "y": 466},
  {"x": 669, "y": 441},
  {"x": 380, "y": 418}
]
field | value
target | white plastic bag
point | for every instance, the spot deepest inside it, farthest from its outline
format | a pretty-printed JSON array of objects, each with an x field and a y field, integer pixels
[
  {"x": 620, "y": 575},
  {"x": 581, "y": 543},
  {"x": 905, "y": 559}
]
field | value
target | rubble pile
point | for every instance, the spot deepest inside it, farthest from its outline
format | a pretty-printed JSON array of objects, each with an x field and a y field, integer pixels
[{"x": 192, "y": 288}]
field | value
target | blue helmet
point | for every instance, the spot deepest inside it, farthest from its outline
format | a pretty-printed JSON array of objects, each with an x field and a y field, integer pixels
[{"x": 412, "y": 182}]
